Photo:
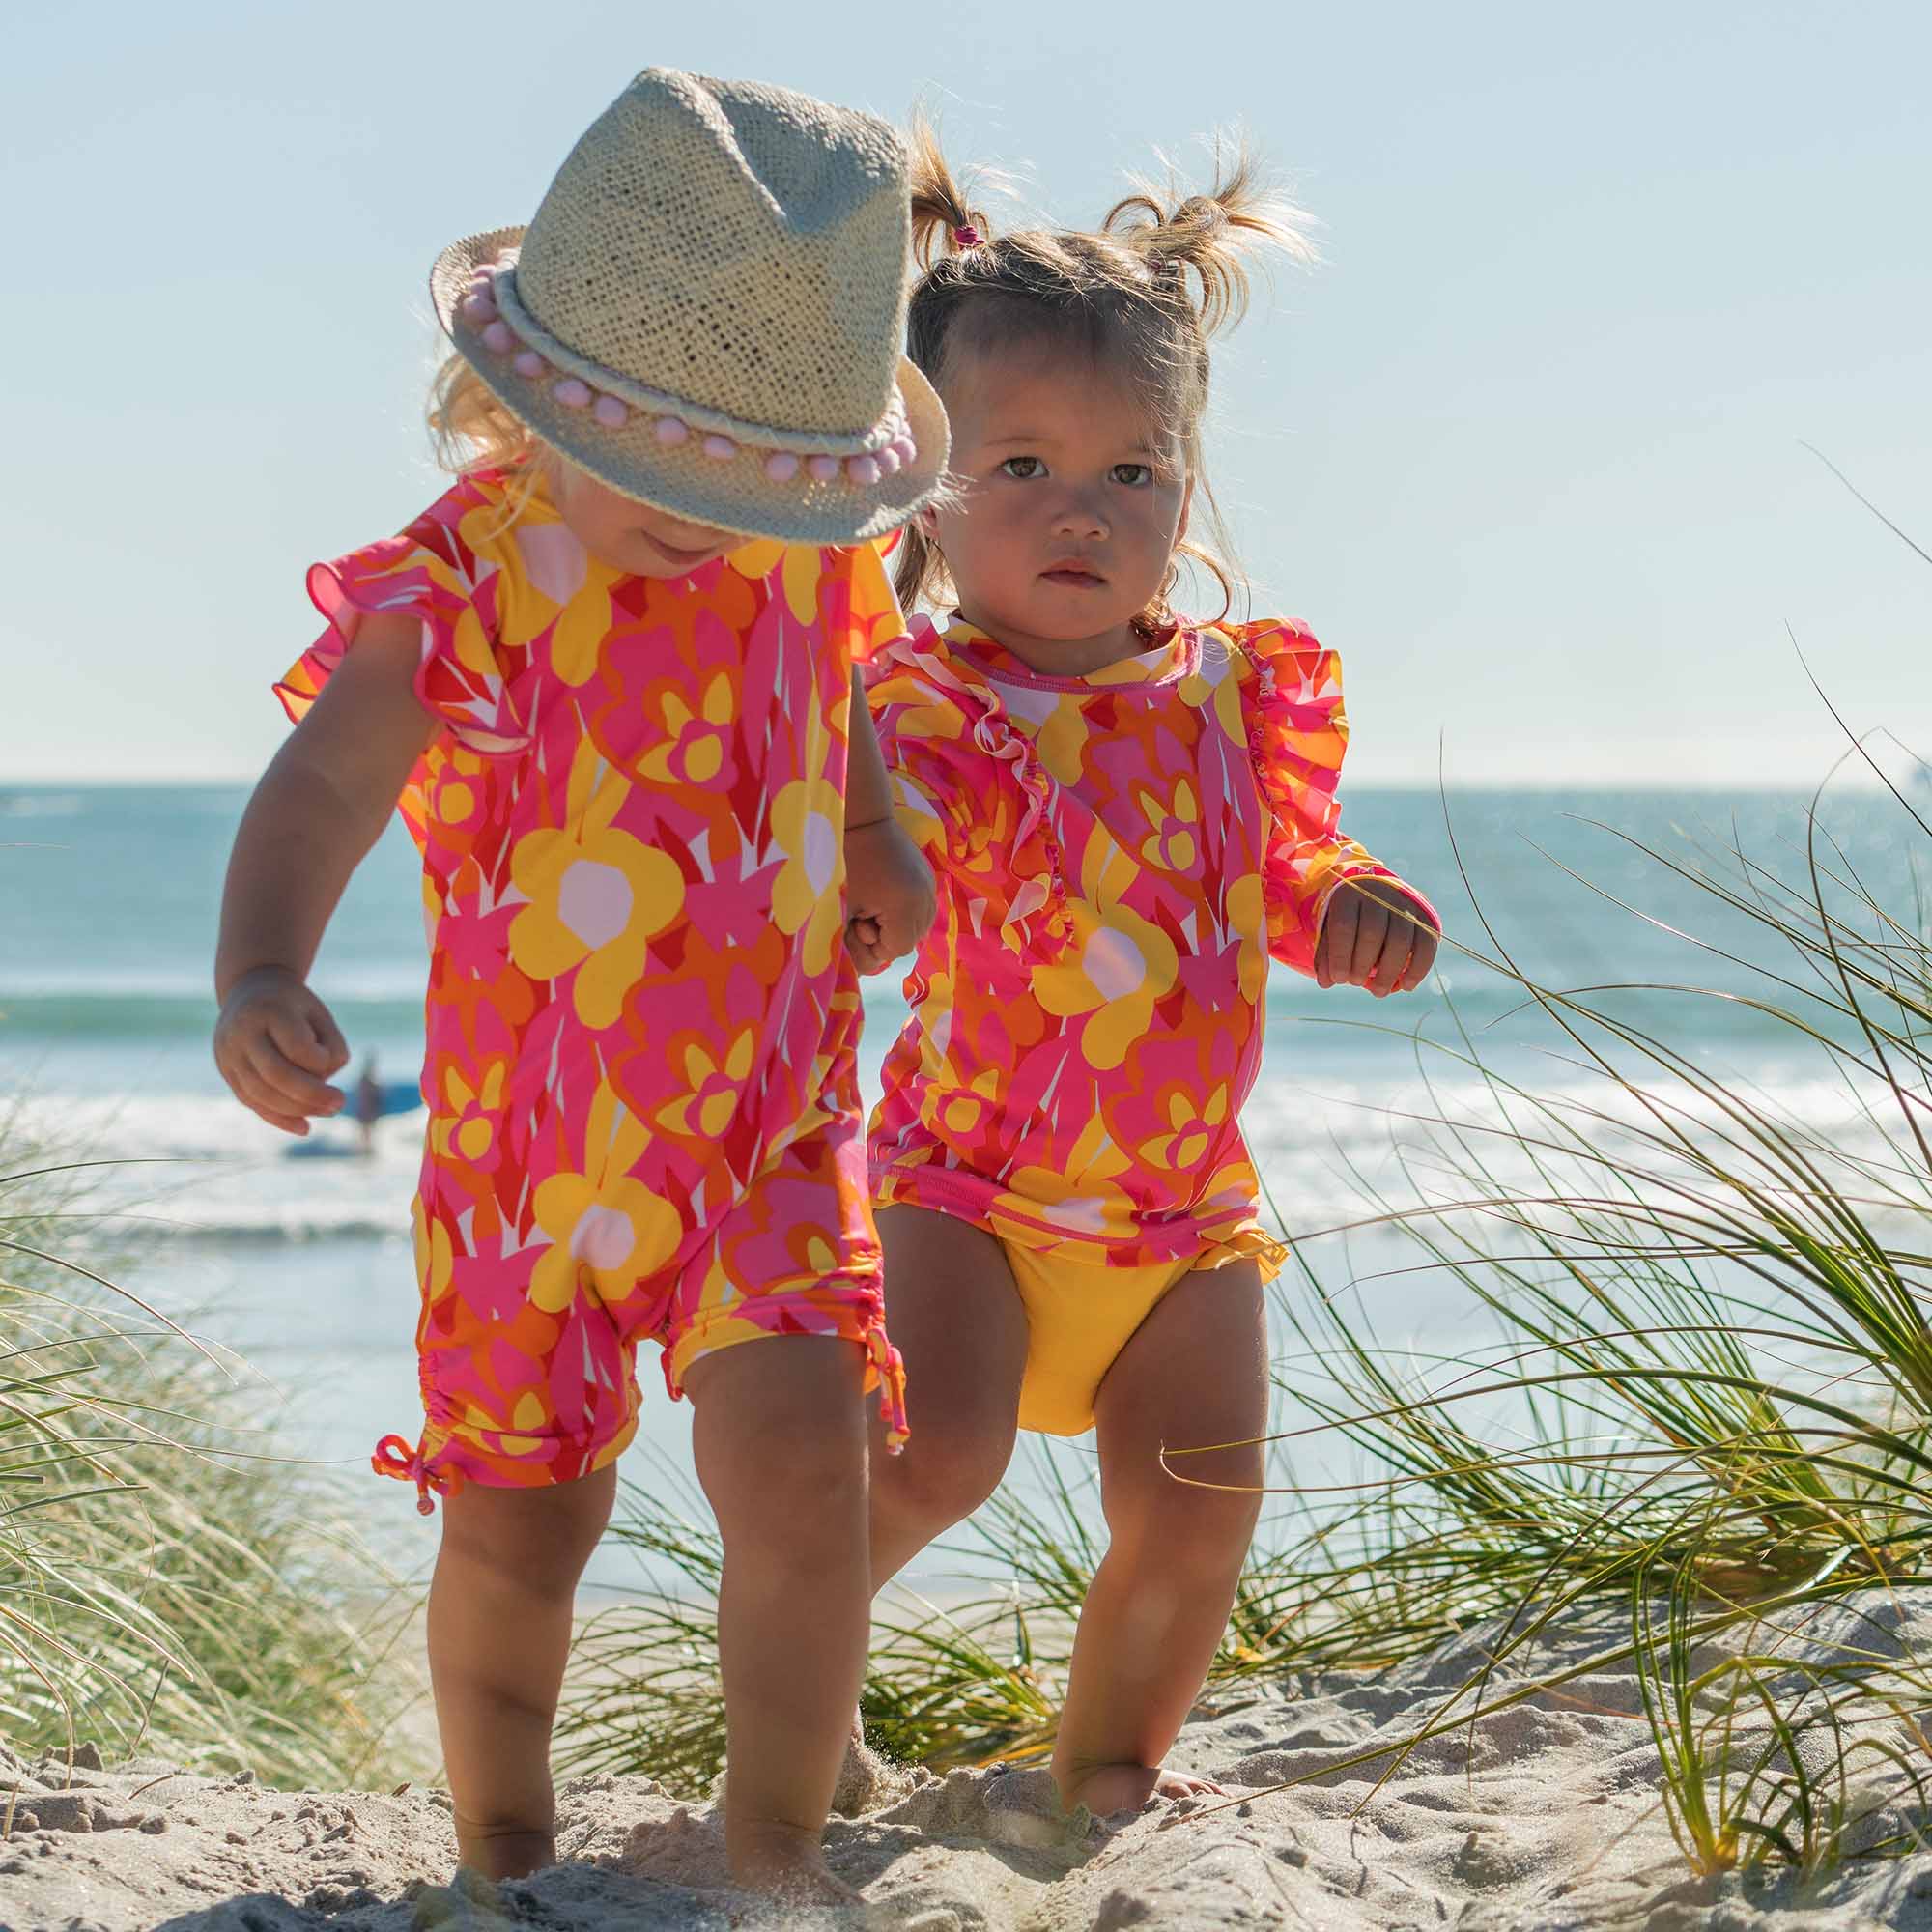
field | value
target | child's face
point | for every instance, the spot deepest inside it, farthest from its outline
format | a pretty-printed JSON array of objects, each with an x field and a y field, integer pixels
[
  {"x": 629, "y": 536},
  {"x": 1069, "y": 509}
]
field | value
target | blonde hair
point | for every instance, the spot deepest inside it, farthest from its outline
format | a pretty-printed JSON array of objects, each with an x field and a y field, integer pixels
[
  {"x": 1162, "y": 274},
  {"x": 472, "y": 431}
]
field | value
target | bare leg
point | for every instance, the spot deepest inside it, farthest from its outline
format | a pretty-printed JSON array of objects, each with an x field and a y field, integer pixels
[
  {"x": 509, "y": 1561},
  {"x": 779, "y": 1440},
  {"x": 956, "y": 1318},
  {"x": 1195, "y": 1373}
]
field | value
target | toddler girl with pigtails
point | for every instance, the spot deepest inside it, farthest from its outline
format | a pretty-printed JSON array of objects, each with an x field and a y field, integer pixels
[
  {"x": 1128, "y": 811},
  {"x": 653, "y": 822}
]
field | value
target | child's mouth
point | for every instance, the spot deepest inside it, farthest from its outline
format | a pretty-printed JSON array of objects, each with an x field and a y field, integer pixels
[
  {"x": 1076, "y": 574},
  {"x": 678, "y": 554}
]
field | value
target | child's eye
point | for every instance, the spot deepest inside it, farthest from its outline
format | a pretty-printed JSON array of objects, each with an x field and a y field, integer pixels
[
  {"x": 1023, "y": 468},
  {"x": 1135, "y": 476}
]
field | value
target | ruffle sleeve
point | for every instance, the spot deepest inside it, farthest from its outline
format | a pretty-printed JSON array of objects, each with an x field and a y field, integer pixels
[
  {"x": 432, "y": 573},
  {"x": 1297, "y": 733},
  {"x": 876, "y": 620},
  {"x": 970, "y": 788}
]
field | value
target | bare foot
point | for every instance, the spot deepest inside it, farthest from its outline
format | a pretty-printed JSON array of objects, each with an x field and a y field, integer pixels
[
  {"x": 1109, "y": 1789},
  {"x": 504, "y": 1854},
  {"x": 787, "y": 1865},
  {"x": 468, "y": 1903}
]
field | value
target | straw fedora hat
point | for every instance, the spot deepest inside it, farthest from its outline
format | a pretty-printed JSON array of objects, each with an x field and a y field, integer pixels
[{"x": 707, "y": 312}]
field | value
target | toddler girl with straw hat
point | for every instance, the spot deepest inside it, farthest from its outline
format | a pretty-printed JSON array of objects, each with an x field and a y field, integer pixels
[{"x": 608, "y": 676}]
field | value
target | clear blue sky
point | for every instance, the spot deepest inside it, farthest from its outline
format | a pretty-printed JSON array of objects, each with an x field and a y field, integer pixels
[{"x": 1526, "y": 449}]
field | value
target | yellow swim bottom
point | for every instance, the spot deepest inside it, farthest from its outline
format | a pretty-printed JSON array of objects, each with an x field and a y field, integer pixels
[{"x": 1079, "y": 1318}]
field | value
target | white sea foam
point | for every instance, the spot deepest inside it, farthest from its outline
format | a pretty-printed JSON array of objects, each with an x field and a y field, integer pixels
[{"x": 199, "y": 1162}]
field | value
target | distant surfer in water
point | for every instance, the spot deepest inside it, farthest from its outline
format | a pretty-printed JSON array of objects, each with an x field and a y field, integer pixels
[{"x": 367, "y": 1105}]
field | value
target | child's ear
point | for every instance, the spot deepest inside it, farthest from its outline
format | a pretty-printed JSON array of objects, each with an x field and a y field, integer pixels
[{"x": 929, "y": 523}]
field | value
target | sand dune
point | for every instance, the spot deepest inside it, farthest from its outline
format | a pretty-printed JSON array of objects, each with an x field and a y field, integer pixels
[{"x": 1543, "y": 1815}]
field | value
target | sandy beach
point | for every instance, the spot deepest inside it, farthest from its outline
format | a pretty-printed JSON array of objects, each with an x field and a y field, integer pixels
[{"x": 1543, "y": 1817}]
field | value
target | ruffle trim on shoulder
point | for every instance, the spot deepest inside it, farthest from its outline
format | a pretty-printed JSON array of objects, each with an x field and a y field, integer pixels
[
  {"x": 457, "y": 679},
  {"x": 1298, "y": 734},
  {"x": 1038, "y": 919}
]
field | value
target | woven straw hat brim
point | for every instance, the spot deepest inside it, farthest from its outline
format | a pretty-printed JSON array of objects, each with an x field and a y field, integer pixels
[{"x": 732, "y": 495}]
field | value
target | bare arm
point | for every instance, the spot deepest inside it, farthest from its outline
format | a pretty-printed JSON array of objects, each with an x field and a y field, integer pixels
[
  {"x": 321, "y": 804},
  {"x": 889, "y": 891},
  {"x": 868, "y": 790}
]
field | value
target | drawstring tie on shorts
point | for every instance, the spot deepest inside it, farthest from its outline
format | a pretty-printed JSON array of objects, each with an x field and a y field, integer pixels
[
  {"x": 890, "y": 1367},
  {"x": 395, "y": 1457}
]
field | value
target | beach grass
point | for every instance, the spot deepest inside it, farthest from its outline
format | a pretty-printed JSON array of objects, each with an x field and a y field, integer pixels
[
  {"x": 171, "y": 1581},
  {"x": 1706, "y": 1395}
]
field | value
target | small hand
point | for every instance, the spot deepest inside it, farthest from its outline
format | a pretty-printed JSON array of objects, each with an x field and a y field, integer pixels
[
  {"x": 888, "y": 895},
  {"x": 275, "y": 1044},
  {"x": 1374, "y": 935}
]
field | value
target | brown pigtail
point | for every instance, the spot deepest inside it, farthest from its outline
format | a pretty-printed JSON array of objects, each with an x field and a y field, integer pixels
[
  {"x": 1209, "y": 235},
  {"x": 940, "y": 209}
]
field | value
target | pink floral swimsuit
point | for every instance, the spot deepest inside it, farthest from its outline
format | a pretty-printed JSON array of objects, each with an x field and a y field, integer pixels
[
  {"x": 641, "y": 1021},
  {"x": 1117, "y": 855}
]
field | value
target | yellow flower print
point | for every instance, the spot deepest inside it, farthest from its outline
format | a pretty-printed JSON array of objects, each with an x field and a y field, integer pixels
[
  {"x": 1060, "y": 739},
  {"x": 696, "y": 751},
  {"x": 1194, "y": 1127},
  {"x": 602, "y": 1219},
  {"x": 457, "y": 786},
  {"x": 452, "y": 1134},
  {"x": 807, "y": 822},
  {"x": 802, "y": 567},
  {"x": 1083, "y": 1196},
  {"x": 436, "y": 1254},
  {"x": 714, "y": 1086},
  {"x": 1228, "y": 711},
  {"x": 1247, "y": 918},
  {"x": 961, "y": 1111},
  {"x": 597, "y": 896},
  {"x": 918, "y": 715},
  {"x": 1114, "y": 968},
  {"x": 546, "y": 585},
  {"x": 526, "y": 1418},
  {"x": 1170, "y": 846}
]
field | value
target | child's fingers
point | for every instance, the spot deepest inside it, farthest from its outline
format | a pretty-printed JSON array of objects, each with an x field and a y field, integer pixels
[
  {"x": 862, "y": 942},
  {"x": 1372, "y": 932},
  {"x": 258, "y": 1100},
  {"x": 867, "y": 955},
  {"x": 897, "y": 935},
  {"x": 288, "y": 1088},
  {"x": 1337, "y": 945},
  {"x": 309, "y": 1038},
  {"x": 1387, "y": 975},
  {"x": 1421, "y": 958}
]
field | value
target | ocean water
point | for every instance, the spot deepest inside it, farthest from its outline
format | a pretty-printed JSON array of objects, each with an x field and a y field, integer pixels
[{"x": 304, "y": 1265}]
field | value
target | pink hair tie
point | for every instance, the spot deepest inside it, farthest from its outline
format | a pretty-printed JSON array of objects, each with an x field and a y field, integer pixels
[{"x": 966, "y": 236}]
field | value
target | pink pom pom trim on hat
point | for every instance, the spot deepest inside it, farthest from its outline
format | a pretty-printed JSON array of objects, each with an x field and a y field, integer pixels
[{"x": 670, "y": 431}]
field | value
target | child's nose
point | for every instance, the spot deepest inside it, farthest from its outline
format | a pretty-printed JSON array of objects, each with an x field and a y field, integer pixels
[{"x": 1081, "y": 517}]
